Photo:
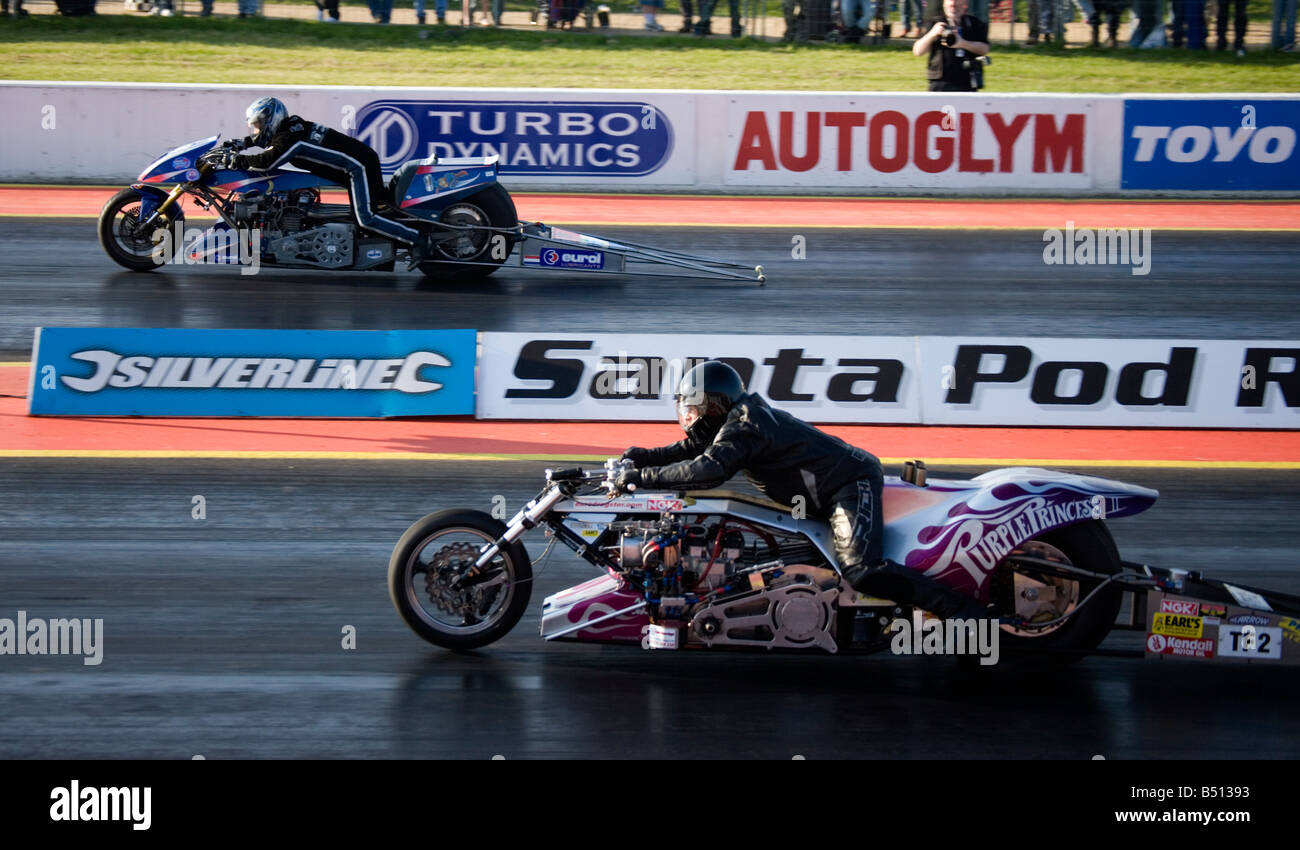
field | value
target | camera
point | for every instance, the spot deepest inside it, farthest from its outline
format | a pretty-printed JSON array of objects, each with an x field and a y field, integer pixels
[{"x": 948, "y": 36}]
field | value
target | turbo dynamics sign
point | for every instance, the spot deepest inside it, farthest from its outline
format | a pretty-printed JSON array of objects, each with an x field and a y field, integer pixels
[
  {"x": 557, "y": 138},
  {"x": 160, "y": 372},
  {"x": 920, "y": 380}
]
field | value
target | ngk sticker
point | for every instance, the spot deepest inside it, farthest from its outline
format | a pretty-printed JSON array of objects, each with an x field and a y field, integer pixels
[{"x": 1184, "y": 607}]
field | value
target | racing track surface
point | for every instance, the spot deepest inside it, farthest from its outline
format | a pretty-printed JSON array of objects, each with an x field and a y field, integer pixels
[
  {"x": 222, "y": 636},
  {"x": 890, "y": 282}
]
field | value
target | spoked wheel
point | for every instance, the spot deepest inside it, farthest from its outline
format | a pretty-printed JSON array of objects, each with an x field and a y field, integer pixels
[
  {"x": 435, "y": 551},
  {"x": 1039, "y": 598},
  {"x": 124, "y": 239},
  {"x": 491, "y": 208}
]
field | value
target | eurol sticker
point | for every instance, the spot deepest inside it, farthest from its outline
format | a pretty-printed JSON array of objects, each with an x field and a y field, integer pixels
[
  {"x": 1184, "y": 607},
  {"x": 180, "y": 162}
]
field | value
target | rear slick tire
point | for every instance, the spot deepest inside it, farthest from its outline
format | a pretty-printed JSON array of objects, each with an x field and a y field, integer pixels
[
  {"x": 1087, "y": 545},
  {"x": 492, "y": 207}
]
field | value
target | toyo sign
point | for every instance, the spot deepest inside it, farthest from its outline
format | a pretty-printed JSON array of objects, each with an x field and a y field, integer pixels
[
  {"x": 574, "y": 138},
  {"x": 1220, "y": 144}
]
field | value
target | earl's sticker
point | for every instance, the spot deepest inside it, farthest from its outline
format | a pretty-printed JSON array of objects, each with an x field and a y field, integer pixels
[{"x": 1177, "y": 625}]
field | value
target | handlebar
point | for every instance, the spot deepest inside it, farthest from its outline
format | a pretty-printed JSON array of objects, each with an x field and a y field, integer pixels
[{"x": 613, "y": 466}]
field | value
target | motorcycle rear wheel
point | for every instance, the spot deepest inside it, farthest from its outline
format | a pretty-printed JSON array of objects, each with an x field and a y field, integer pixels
[
  {"x": 1087, "y": 545},
  {"x": 491, "y": 207},
  {"x": 121, "y": 236},
  {"x": 439, "y": 546}
]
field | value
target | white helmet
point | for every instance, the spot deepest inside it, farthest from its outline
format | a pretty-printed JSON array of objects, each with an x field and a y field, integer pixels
[{"x": 264, "y": 116}]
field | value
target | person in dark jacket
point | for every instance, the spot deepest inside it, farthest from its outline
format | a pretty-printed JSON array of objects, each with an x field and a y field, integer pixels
[
  {"x": 729, "y": 431},
  {"x": 327, "y": 153},
  {"x": 953, "y": 44}
]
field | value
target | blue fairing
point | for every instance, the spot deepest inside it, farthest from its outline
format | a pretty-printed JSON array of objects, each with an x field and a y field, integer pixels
[
  {"x": 268, "y": 181},
  {"x": 437, "y": 183},
  {"x": 150, "y": 198},
  {"x": 178, "y": 165}
]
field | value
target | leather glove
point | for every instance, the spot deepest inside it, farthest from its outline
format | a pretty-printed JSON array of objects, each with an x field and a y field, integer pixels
[
  {"x": 638, "y": 456},
  {"x": 627, "y": 481},
  {"x": 233, "y": 161}
]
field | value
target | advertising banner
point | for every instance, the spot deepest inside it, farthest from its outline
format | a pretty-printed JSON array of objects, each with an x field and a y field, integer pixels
[
  {"x": 968, "y": 143},
  {"x": 832, "y": 142},
  {"x": 1116, "y": 383},
  {"x": 1222, "y": 144},
  {"x": 166, "y": 372}
]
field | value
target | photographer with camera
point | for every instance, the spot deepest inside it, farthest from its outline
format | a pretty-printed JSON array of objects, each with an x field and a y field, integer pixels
[{"x": 958, "y": 45}]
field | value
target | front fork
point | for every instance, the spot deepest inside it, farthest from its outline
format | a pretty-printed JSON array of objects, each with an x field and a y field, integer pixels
[
  {"x": 527, "y": 518},
  {"x": 172, "y": 197}
]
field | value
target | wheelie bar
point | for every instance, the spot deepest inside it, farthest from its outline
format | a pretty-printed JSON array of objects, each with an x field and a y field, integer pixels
[
  {"x": 547, "y": 247},
  {"x": 1192, "y": 584}
]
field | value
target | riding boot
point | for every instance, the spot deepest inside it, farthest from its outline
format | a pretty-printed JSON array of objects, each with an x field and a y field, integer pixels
[
  {"x": 420, "y": 251},
  {"x": 896, "y": 582}
]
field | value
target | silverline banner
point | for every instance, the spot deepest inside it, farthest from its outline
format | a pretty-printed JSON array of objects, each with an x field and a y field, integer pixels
[{"x": 173, "y": 372}]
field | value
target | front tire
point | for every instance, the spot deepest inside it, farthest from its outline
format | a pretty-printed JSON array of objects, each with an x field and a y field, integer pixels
[
  {"x": 491, "y": 207},
  {"x": 438, "y": 546},
  {"x": 121, "y": 236},
  {"x": 1086, "y": 545}
]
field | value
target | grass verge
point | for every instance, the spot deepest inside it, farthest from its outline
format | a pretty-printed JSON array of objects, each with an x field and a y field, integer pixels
[{"x": 286, "y": 52}]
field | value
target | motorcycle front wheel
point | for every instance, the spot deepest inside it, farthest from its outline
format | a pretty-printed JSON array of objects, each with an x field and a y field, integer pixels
[
  {"x": 438, "y": 548},
  {"x": 126, "y": 242}
]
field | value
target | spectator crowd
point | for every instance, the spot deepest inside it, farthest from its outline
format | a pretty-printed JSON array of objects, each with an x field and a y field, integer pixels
[{"x": 1153, "y": 23}]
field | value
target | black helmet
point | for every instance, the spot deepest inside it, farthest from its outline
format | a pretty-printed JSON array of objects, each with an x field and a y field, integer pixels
[{"x": 706, "y": 393}]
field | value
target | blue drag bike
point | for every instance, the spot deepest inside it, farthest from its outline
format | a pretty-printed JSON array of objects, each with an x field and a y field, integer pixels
[
  {"x": 280, "y": 216},
  {"x": 459, "y": 201}
]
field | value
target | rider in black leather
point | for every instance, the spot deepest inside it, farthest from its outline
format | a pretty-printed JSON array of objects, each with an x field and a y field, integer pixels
[
  {"x": 729, "y": 430},
  {"x": 326, "y": 153}
]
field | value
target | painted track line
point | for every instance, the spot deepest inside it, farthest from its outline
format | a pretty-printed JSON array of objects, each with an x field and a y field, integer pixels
[
  {"x": 746, "y": 211},
  {"x": 469, "y": 457},
  {"x": 467, "y": 439}
]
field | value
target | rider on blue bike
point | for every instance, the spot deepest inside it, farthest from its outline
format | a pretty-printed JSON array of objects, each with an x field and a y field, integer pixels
[{"x": 327, "y": 153}]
